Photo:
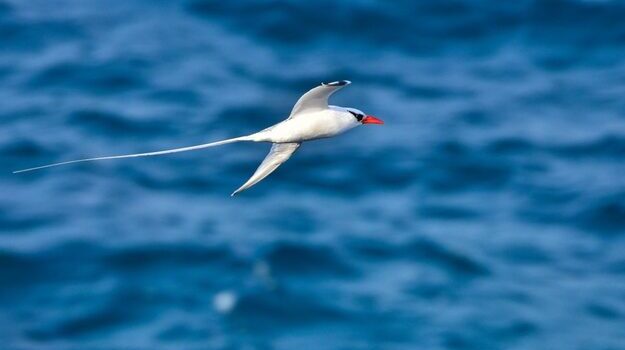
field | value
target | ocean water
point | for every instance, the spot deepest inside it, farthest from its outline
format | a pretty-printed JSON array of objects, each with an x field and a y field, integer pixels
[{"x": 487, "y": 213}]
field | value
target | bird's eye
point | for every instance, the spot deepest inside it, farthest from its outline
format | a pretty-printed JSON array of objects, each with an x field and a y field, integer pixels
[{"x": 358, "y": 116}]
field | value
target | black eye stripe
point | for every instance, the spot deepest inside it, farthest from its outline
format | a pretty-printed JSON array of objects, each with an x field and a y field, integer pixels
[{"x": 356, "y": 115}]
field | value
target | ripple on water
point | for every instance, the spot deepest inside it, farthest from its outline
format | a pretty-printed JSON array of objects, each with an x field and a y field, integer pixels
[
  {"x": 104, "y": 78},
  {"x": 605, "y": 147},
  {"x": 307, "y": 260},
  {"x": 448, "y": 260},
  {"x": 149, "y": 256},
  {"x": 101, "y": 123},
  {"x": 284, "y": 307},
  {"x": 447, "y": 212},
  {"x": 604, "y": 214},
  {"x": 455, "y": 167}
]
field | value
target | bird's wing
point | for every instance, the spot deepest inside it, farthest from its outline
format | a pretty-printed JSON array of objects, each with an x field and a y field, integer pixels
[
  {"x": 279, "y": 153},
  {"x": 317, "y": 98}
]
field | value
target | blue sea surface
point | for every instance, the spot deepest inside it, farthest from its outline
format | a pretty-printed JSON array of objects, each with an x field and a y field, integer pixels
[{"x": 487, "y": 213}]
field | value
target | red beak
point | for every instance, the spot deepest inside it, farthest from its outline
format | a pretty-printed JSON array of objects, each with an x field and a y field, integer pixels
[{"x": 371, "y": 120}]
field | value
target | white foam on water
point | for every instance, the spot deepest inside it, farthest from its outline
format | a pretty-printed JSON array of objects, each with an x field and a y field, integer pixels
[{"x": 225, "y": 301}]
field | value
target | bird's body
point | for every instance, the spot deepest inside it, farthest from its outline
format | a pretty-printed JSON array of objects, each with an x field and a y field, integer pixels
[
  {"x": 309, "y": 126},
  {"x": 311, "y": 118}
]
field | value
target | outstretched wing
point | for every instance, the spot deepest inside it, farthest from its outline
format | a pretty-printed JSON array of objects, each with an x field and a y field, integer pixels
[
  {"x": 279, "y": 153},
  {"x": 317, "y": 98}
]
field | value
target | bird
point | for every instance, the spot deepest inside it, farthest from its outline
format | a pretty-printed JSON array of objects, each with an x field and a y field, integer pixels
[{"x": 310, "y": 119}]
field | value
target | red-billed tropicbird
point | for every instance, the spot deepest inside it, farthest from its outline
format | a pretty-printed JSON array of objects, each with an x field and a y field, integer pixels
[{"x": 311, "y": 118}]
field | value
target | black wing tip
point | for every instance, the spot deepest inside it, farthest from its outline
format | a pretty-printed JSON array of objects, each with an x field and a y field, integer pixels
[{"x": 337, "y": 83}]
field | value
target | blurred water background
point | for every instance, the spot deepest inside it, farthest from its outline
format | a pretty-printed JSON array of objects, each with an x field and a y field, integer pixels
[{"x": 488, "y": 213}]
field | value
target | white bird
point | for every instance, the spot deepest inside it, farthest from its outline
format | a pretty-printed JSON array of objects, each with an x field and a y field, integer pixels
[{"x": 311, "y": 118}]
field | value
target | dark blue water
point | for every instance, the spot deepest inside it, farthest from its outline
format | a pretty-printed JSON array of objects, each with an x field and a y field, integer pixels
[{"x": 488, "y": 213}]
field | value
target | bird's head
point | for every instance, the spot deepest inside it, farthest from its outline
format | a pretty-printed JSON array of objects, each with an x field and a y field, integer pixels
[{"x": 363, "y": 118}]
